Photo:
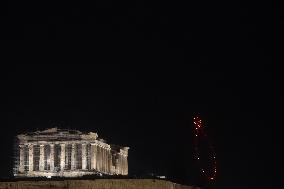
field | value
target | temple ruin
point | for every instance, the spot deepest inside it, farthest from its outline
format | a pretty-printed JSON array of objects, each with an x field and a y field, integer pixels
[{"x": 67, "y": 153}]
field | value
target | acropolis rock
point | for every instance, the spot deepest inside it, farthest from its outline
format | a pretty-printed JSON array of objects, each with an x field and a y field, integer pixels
[{"x": 96, "y": 184}]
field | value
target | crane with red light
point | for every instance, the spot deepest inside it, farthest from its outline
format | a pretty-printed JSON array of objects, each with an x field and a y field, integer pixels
[{"x": 206, "y": 161}]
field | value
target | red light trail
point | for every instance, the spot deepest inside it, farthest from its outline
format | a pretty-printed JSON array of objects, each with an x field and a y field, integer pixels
[{"x": 208, "y": 169}]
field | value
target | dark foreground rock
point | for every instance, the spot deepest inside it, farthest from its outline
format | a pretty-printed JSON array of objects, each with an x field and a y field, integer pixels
[{"x": 95, "y": 184}]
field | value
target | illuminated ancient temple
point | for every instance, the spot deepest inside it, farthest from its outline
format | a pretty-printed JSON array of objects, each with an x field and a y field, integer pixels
[{"x": 67, "y": 153}]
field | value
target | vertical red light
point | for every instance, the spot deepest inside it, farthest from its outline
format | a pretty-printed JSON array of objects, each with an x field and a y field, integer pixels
[{"x": 199, "y": 133}]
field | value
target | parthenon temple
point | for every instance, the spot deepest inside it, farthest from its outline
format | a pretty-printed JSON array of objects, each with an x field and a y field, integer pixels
[{"x": 67, "y": 153}]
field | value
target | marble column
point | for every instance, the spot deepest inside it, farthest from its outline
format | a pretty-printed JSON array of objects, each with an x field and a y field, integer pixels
[
  {"x": 109, "y": 161},
  {"x": 22, "y": 158},
  {"x": 117, "y": 164},
  {"x": 94, "y": 155},
  {"x": 84, "y": 156},
  {"x": 126, "y": 165},
  {"x": 98, "y": 158},
  {"x": 62, "y": 157},
  {"x": 31, "y": 157},
  {"x": 51, "y": 158},
  {"x": 112, "y": 163},
  {"x": 73, "y": 160},
  {"x": 103, "y": 160},
  {"x": 41, "y": 157},
  {"x": 122, "y": 164},
  {"x": 106, "y": 159}
]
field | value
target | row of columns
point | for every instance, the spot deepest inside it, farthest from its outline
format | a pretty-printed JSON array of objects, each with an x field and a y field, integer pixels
[
  {"x": 100, "y": 159},
  {"x": 122, "y": 168}
]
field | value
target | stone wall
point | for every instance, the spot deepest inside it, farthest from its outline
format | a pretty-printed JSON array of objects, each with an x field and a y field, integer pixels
[{"x": 96, "y": 184}]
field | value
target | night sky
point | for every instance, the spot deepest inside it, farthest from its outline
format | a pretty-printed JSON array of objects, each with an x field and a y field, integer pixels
[{"x": 137, "y": 74}]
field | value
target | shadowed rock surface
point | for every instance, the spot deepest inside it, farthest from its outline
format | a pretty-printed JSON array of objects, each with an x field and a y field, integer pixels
[{"x": 95, "y": 184}]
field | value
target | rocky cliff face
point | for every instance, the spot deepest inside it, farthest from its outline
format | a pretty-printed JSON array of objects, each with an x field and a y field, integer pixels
[{"x": 95, "y": 184}]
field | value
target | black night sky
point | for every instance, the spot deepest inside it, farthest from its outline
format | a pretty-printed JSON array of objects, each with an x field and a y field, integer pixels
[{"x": 137, "y": 74}]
